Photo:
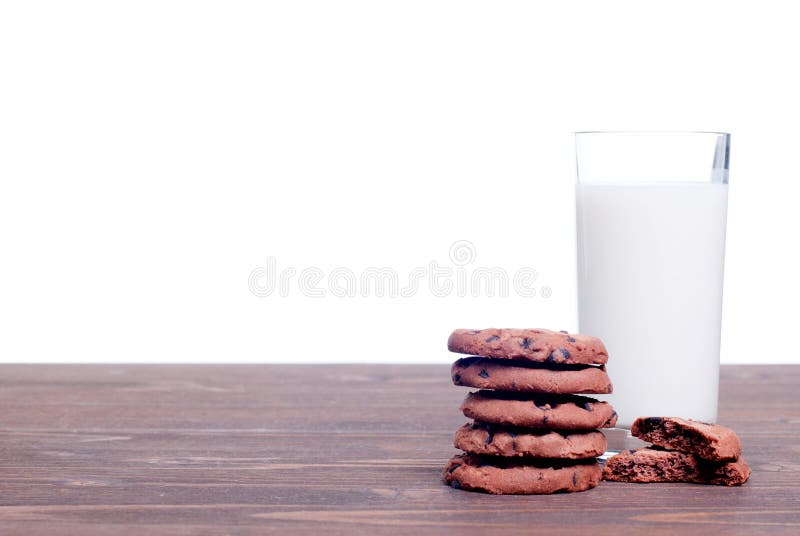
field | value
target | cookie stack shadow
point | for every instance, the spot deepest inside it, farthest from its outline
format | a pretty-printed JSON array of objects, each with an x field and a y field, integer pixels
[{"x": 532, "y": 430}]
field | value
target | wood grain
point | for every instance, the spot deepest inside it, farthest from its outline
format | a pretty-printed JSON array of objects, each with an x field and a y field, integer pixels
[{"x": 341, "y": 449}]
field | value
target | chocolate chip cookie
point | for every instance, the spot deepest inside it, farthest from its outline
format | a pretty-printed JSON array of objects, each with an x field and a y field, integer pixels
[
  {"x": 557, "y": 412},
  {"x": 518, "y": 375},
  {"x": 539, "y": 345},
  {"x": 497, "y": 440},
  {"x": 498, "y": 475},
  {"x": 707, "y": 441},
  {"x": 652, "y": 464}
]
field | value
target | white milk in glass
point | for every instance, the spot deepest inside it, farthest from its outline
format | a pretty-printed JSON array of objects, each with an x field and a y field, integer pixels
[{"x": 650, "y": 263}]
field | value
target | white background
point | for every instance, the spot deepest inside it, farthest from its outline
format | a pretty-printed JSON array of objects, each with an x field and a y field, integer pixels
[{"x": 152, "y": 154}]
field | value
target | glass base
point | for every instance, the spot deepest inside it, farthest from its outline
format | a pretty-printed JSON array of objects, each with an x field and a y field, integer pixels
[{"x": 620, "y": 439}]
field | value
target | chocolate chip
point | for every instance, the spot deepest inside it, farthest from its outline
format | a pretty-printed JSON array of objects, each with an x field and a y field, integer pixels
[
  {"x": 513, "y": 384},
  {"x": 455, "y": 484},
  {"x": 544, "y": 421},
  {"x": 457, "y": 378},
  {"x": 526, "y": 343},
  {"x": 483, "y": 374},
  {"x": 475, "y": 331},
  {"x": 514, "y": 445},
  {"x": 570, "y": 340},
  {"x": 608, "y": 422},
  {"x": 652, "y": 422},
  {"x": 493, "y": 338},
  {"x": 490, "y": 437},
  {"x": 575, "y": 478},
  {"x": 563, "y": 331},
  {"x": 587, "y": 406},
  {"x": 454, "y": 467},
  {"x": 553, "y": 357}
]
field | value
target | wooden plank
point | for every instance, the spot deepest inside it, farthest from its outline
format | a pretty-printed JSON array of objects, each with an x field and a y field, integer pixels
[{"x": 345, "y": 449}]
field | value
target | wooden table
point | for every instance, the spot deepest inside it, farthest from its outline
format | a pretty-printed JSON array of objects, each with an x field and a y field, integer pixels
[{"x": 332, "y": 449}]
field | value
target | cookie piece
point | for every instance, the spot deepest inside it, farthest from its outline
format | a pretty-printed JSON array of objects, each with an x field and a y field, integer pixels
[
  {"x": 520, "y": 476},
  {"x": 557, "y": 412},
  {"x": 540, "y": 345},
  {"x": 708, "y": 441},
  {"x": 484, "y": 438},
  {"x": 517, "y": 375},
  {"x": 657, "y": 465}
]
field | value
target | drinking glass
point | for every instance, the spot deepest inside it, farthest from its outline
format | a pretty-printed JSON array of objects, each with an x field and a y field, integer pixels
[{"x": 651, "y": 216}]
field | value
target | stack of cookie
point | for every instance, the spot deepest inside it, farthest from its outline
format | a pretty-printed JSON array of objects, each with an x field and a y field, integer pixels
[
  {"x": 684, "y": 451},
  {"x": 532, "y": 432}
]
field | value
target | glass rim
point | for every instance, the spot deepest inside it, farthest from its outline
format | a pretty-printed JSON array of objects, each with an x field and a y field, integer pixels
[
  {"x": 652, "y": 132},
  {"x": 619, "y": 155}
]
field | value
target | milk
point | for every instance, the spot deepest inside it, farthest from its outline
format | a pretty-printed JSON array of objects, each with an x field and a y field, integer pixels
[{"x": 650, "y": 265}]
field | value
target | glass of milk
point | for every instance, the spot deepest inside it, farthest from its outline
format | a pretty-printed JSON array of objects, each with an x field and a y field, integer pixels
[{"x": 651, "y": 213}]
